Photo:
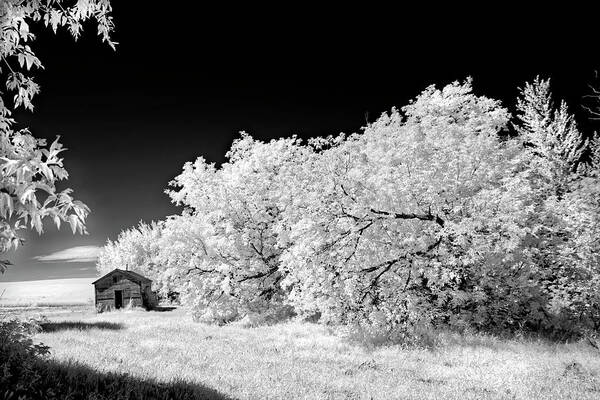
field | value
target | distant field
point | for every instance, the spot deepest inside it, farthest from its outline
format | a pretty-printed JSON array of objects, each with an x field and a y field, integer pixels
[
  {"x": 306, "y": 361},
  {"x": 52, "y": 292}
]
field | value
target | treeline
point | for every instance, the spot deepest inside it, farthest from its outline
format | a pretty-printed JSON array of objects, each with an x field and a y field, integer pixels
[{"x": 447, "y": 212}]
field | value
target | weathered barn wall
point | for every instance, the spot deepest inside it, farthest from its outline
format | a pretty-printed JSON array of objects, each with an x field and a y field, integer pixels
[
  {"x": 136, "y": 290},
  {"x": 105, "y": 293}
]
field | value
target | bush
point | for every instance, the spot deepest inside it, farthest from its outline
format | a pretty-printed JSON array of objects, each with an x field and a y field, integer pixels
[
  {"x": 268, "y": 317},
  {"x": 372, "y": 335},
  {"x": 19, "y": 375}
]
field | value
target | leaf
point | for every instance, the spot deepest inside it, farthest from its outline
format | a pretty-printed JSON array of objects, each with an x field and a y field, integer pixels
[
  {"x": 74, "y": 223},
  {"x": 7, "y": 204},
  {"x": 4, "y": 264},
  {"x": 56, "y": 219},
  {"x": 27, "y": 194},
  {"x": 36, "y": 222}
]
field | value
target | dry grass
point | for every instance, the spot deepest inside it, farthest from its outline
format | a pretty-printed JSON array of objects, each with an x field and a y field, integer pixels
[{"x": 305, "y": 361}]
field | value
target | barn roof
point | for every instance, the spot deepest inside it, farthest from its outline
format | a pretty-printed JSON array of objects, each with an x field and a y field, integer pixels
[{"x": 133, "y": 275}]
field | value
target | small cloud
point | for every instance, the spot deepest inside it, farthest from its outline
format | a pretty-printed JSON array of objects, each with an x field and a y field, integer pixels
[{"x": 73, "y": 254}]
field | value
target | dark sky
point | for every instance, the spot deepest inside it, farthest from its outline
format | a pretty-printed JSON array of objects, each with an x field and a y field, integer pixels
[{"x": 183, "y": 83}]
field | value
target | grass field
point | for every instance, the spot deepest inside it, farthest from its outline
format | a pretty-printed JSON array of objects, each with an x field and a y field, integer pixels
[
  {"x": 306, "y": 361},
  {"x": 52, "y": 292}
]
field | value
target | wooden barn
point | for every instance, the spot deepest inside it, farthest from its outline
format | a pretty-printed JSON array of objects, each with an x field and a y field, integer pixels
[{"x": 120, "y": 288}]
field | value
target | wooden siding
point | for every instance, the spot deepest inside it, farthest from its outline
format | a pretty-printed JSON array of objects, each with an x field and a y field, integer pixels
[
  {"x": 105, "y": 292},
  {"x": 134, "y": 293}
]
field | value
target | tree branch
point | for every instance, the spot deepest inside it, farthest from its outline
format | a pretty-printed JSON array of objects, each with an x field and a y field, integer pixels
[
  {"x": 418, "y": 253},
  {"x": 258, "y": 275},
  {"x": 202, "y": 271},
  {"x": 346, "y": 193},
  {"x": 423, "y": 217},
  {"x": 360, "y": 232}
]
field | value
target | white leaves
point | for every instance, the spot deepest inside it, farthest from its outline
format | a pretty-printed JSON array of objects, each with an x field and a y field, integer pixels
[
  {"x": 28, "y": 59},
  {"x": 74, "y": 222},
  {"x": 47, "y": 172},
  {"x": 550, "y": 133},
  {"x": 9, "y": 166},
  {"x": 595, "y": 154},
  {"x": 36, "y": 222},
  {"x": 15, "y": 32},
  {"x": 28, "y": 193},
  {"x": 56, "y": 219},
  {"x": 234, "y": 218},
  {"x": 25, "y": 89},
  {"x": 6, "y": 205}
]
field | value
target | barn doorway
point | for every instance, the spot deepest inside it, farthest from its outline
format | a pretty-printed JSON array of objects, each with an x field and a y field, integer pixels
[{"x": 118, "y": 299}]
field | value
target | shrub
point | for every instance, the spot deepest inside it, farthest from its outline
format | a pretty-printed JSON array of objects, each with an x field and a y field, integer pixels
[
  {"x": 375, "y": 335},
  {"x": 19, "y": 375}
]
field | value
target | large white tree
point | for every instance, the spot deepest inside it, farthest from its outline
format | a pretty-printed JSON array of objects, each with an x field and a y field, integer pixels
[
  {"x": 135, "y": 249},
  {"x": 234, "y": 263},
  {"x": 563, "y": 176},
  {"x": 390, "y": 219}
]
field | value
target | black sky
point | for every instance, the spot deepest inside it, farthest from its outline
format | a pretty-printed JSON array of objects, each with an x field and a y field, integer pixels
[{"x": 184, "y": 82}]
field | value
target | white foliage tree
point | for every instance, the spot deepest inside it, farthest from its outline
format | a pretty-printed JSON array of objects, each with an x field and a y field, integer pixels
[
  {"x": 389, "y": 216},
  {"x": 561, "y": 193},
  {"x": 234, "y": 263},
  {"x": 135, "y": 249}
]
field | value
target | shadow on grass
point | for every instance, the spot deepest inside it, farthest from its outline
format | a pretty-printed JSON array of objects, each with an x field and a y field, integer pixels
[
  {"x": 75, "y": 381},
  {"x": 80, "y": 325},
  {"x": 163, "y": 308}
]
